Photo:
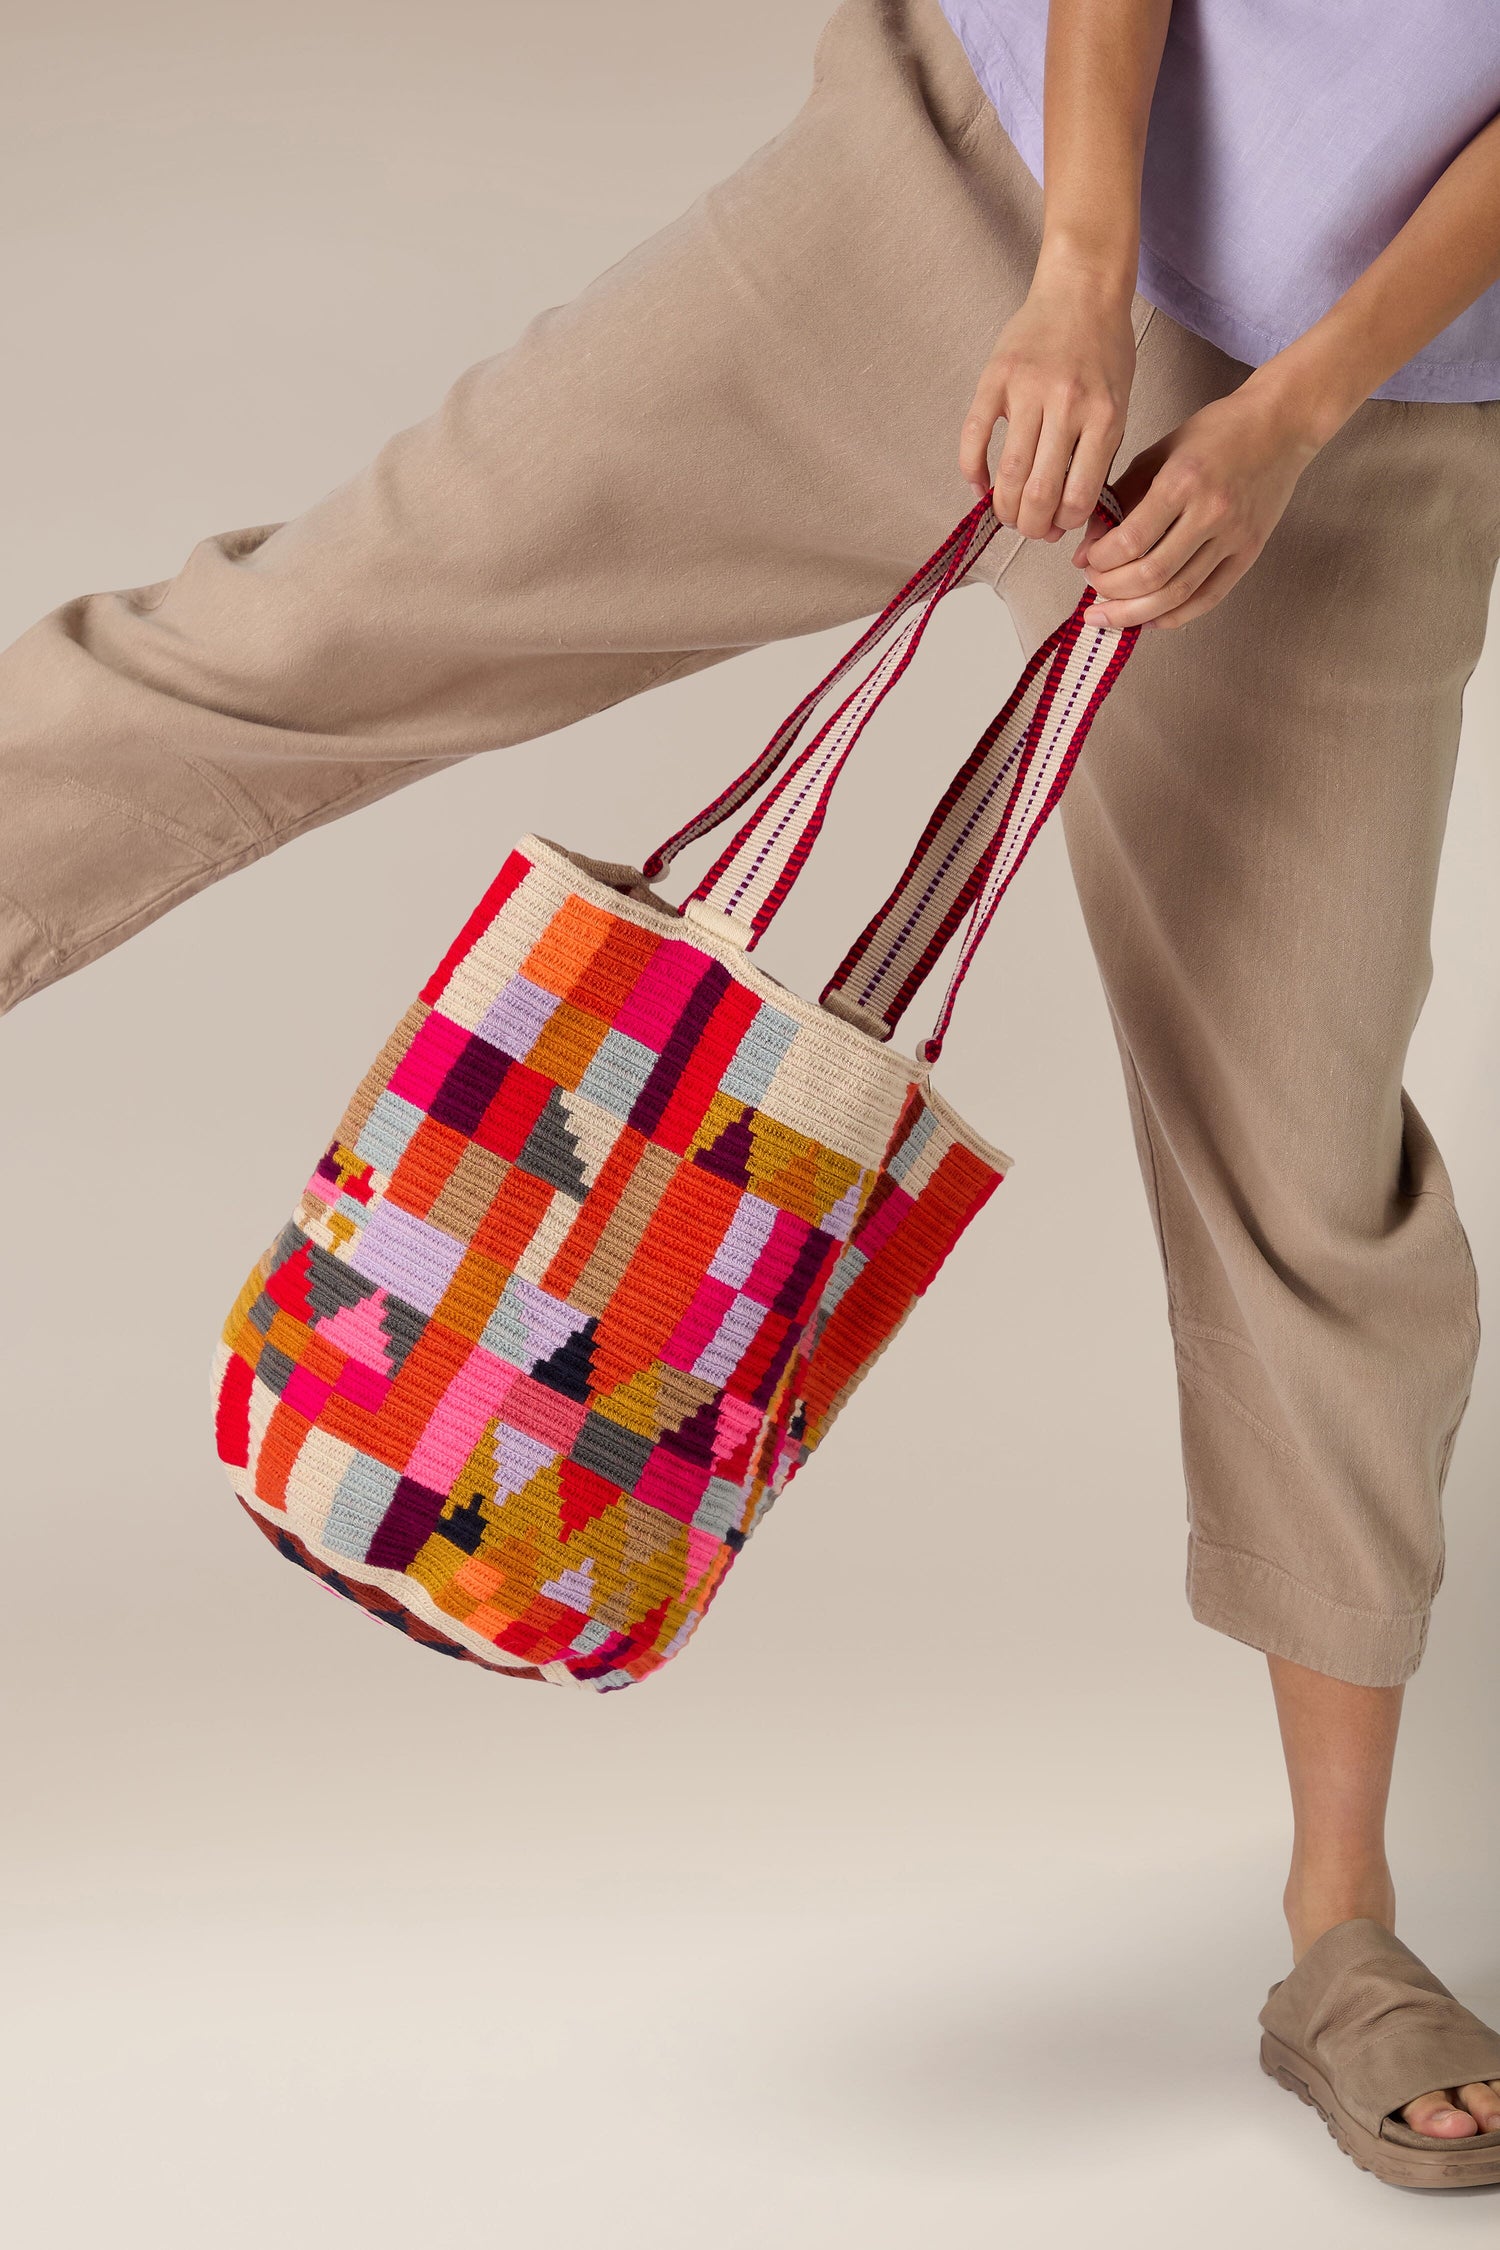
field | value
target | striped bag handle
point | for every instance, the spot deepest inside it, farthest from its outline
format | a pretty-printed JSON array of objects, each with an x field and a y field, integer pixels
[
  {"x": 982, "y": 827},
  {"x": 980, "y": 831},
  {"x": 900, "y": 625}
]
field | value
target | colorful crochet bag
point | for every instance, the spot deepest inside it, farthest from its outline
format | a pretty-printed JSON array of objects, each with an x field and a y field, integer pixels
[{"x": 615, "y": 1222}]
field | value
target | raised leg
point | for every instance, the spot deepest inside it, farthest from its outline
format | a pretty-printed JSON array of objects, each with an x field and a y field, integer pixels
[{"x": 746, "y": 429}]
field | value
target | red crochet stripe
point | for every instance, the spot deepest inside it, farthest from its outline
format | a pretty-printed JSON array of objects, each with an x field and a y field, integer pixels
[{"x": 513, "y": 873}]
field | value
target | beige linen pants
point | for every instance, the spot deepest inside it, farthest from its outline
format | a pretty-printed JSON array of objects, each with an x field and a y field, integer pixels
[{"x": 747, "y": 429}]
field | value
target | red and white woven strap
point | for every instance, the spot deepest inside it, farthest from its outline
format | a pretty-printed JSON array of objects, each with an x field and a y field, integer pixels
[
  {"x": 752, "y": 876},
  {"x": 981, "y": 830},
  {"x": 1097, "y": 672}
]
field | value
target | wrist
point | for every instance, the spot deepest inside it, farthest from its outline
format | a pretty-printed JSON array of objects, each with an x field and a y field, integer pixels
[
  {"x": 1311, "y": 390},
  {"x": 1105, "y": 268}
]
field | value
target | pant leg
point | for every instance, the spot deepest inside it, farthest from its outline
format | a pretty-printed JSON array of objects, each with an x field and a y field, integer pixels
[
  {"x": 1255, "y": 829},
  {"x": 747, "y": 428}
]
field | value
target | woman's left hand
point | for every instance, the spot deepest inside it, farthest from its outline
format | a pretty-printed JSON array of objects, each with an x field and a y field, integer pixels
[{"x": 1200, "y": 505}]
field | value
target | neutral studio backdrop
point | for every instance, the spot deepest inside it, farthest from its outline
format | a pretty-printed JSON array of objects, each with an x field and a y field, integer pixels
[{"x": 834, "y": 1933}]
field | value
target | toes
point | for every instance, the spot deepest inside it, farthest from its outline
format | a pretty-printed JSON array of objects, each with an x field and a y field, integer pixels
[
  {"x": 1482, "y": 2101},
  {"x": 1438, "y": 2115}
]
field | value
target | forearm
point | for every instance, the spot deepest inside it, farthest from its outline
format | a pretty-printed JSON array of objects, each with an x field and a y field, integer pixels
[
  {"x": 1060, "y": 373},
  {"x": 1102, "y": 61},
  {"x": 1446, "y": 255}
]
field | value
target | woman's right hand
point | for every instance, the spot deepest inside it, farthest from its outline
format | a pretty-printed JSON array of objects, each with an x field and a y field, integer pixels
[{"x": 1059, "y": 377}]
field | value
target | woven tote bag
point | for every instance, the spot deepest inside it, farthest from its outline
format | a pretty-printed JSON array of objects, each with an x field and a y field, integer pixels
[{"x": 616, "y": 1222}]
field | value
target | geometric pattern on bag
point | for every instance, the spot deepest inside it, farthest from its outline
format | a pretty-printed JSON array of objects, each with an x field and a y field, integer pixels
[{"x": 606, "y": 1237}]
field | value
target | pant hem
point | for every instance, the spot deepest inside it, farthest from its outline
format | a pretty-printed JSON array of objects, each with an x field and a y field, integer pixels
[{"x": 1262, "y": 1605}]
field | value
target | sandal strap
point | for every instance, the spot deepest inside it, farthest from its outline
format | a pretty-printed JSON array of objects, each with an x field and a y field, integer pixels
[{"x": 1377, "y": 2023}]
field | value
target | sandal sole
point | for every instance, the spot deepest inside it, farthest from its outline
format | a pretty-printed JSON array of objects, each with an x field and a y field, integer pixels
[{"x": 1386, "y": 2160}]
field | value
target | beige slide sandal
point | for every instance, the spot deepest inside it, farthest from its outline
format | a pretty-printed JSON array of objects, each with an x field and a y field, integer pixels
[{"x": 1361, "y": 2027}]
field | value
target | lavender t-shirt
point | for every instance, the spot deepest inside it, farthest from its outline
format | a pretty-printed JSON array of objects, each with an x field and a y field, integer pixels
[{"x": 1289, "y": 141}]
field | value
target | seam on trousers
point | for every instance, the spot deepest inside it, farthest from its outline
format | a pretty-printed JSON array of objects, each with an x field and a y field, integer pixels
[
  {"x": 965, "y": 132},
  {"x": 53, "y": 955},
  {"x": 1450, "y": 1440},
  {"x": 1422, "y": 1638},
  {"x": 1192, "y": 1378},
  {"x": 234, "y": 797},
  {"x": 26, "y": 915},
  {"x": 1447, "y": 1203},
  {"x": 1151, "y": 313},
  {"x": 137, "y": 815},
  {"x": 1206, "y": 1331},
  {"x": 1154, "y": 1181},
  {"x": 1349, "y": 1609},
  {"x": 148, "y": 910},
  {"x": 668, "y": 671},
  {"x": 1445, "y": 1463}
]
